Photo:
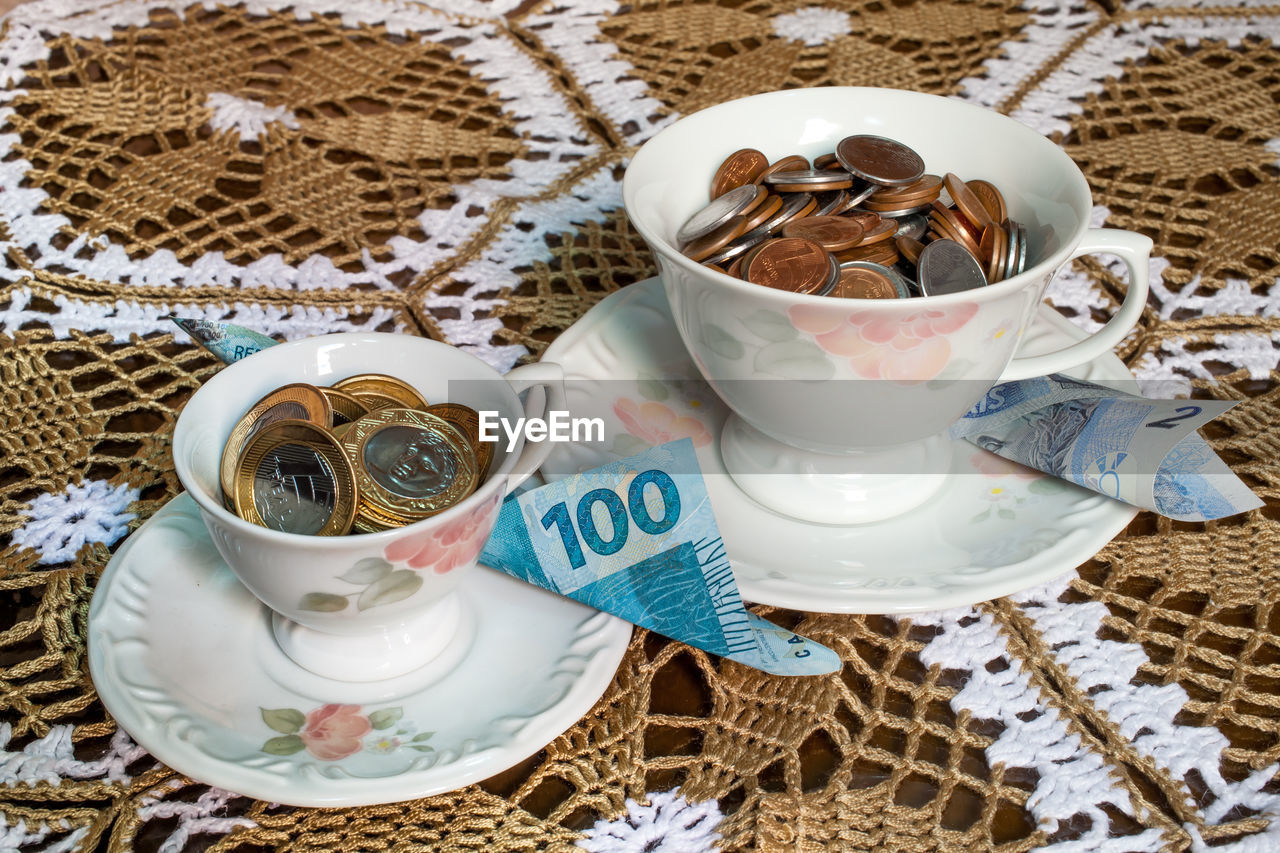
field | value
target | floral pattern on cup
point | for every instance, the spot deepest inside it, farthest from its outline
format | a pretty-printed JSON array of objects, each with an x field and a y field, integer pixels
[
  {"x": 333, "y": 732},
  {"x": 1015, "y": 486},
  {"x": 656, "y": 423},
  {"x": 445, "y": 548},
  {"x": 910, "y": 347}
]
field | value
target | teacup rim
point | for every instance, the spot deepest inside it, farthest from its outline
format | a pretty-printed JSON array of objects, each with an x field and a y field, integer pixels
[
  {"x": 186, "y": 477},
  {"x": 987, "y": 292}
]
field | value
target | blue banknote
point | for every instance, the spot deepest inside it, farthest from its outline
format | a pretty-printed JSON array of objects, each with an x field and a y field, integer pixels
[
  {"x": 1144, "y": 452},
  {"x": 637, "y": 538},
  {"x": 227, "y": 341}
]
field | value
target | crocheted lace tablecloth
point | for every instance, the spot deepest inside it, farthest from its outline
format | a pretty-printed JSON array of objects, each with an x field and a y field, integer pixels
[{"x": 453, "y": 169}]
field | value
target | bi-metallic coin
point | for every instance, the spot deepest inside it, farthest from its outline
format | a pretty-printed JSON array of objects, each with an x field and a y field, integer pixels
[{"x": 293, "y": 477}]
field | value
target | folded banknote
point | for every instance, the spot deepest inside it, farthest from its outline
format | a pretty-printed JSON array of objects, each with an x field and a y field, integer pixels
[
  {"x": 1143, "y": 452},
  {"x": 637, "y": 538}
]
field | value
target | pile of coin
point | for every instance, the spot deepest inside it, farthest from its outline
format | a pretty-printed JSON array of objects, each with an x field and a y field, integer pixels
[
  {"x": 367, "y": 454},
  {"x": 864, "y": 221}
]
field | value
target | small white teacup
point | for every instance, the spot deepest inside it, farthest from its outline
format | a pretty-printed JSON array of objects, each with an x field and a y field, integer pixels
[
  {"x": 841, "y": 406},
  {"x": 368, "y": 606}
]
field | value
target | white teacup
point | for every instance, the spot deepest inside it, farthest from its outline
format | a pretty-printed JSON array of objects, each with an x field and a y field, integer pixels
[
  {"x": 368, "y": 606},
  {"x": 841, "y": 405}
]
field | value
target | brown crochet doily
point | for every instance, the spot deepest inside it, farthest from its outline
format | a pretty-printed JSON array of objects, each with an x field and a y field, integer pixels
[{"x": 456, "y": 175}]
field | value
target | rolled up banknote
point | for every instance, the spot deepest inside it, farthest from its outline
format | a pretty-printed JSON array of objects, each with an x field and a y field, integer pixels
[
  {"x": 227, "y": 341},
  {"x": 637, "y": 538},
  {"x": 1143, "y": 452}
]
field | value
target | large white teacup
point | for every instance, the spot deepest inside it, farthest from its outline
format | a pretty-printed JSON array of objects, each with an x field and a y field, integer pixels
[{"x": 841, "y": 406}]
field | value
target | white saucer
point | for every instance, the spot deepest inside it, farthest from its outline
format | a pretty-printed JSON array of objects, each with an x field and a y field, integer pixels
[
  {"x": 993, "y": 529},
  {"x": 183, "y": 658}
]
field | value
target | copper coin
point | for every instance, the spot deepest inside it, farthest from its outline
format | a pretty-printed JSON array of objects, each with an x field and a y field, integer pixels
[
  {"x": 879, "y": 160},
  {"x": 738, "y": 169},
  {"x": 832, "y": 233},
  {"x": 705, "y": 246},
  {"x": 868, "y": 221},
  {"x": 739, "y": 246},
  {"x": 960, "y": 230},
  {"x": 991, "y": 199},
  {"x": 879, "y": 253},
  {"x": 790, "y": 163},
  {"x": 999, "y": 252},
  {"x": 883, "y": 230},
  {"x": 929, "y": 186},
  {"x": 736, "y": 202},
  {"x": 909, "y": 247},
  {"x": 858, "y": 282},
  {"x": 790, "y": 263},
  {"x": 735, "y": 269},
  {"x": 771, "y": 204},
  {"x": 967, "y": 203},
  {"x": 826, "y": 161},
  {"x": 832, "y": 203},
  {"x": 810, "y": 180}
]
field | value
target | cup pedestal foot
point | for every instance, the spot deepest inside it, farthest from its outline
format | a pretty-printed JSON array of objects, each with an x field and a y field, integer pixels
[
  {"x": 849, "y": 488},
  {"x": 385, "y": 654}
]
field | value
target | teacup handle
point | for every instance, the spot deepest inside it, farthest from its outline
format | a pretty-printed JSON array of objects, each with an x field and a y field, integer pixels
[
  {"x": 550, "y": 377},
  {"x": 1135, "y": 250}
]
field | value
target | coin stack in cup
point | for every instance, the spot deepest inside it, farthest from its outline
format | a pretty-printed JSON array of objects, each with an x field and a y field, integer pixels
[
  {"x": 864, "y": 221},
  {"x": 367, "y": 454}
]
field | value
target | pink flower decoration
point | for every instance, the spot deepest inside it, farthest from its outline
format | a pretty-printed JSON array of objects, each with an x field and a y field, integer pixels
[
  {"x": 334, "y": 731},
  {"x": 991, "y": 465},
  {"x": 657, "y": 424},
  {"x": 904, "y": 348},
  {"x": 449, "y": 546}
]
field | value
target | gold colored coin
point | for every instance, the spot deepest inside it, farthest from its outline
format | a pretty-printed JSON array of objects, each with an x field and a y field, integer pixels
[
  {"x": 294, "y": 477},
  {"x": 967, "y": 202},
  {"x": 346, "y": 408},
  {"x": 409, "y": 463},
  {"x": 298, "y": 401},
  {"x": 739, "y": 168},
  {"x": 381, "y": 385},
  {"x": 467, "y": 421},
  {"x": 992, "y": 199}
]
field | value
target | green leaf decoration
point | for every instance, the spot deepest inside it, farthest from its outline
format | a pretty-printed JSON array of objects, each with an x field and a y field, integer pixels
[
  {"x": 794, "y": 360},
  {"x": 769, "y": 325},
  {"x": 1006, "y": 513},
  {"x": 367, "y": 571},
  {"x": 421, "y": 736},
  {"x": 626, "y": 444},
  {"x": 1046, "y": 486},
  {"x": 396, "y": 586},
  {"x": 721, "y": 342},
  {"x": 982, "y": 516},
  {"x": 322, "y": 602},
  {"x": 385, "y": 718},
  {"x": 283, "y": 745},
  {"x": 652, "y": 389},
  {"x": 421, "y": 747},
  {"x": 286, "y": 720}
]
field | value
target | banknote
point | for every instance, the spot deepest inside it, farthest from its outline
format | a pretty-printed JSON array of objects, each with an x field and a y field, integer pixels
[
  {"x": 227, "y": 341},
  {"x": 637, "y": 538},
  {"x": 1144, "y": 452}
]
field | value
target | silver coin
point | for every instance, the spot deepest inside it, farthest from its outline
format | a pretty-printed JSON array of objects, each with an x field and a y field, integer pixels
[
  {"x": 907, "y": 271},
  {"x": 807, "y": 176},
  {"x": 913, "y": 225},
  {"x": 717, "y": 213},
  {"x": 740, "y": 245},
  {"x": 833, "y": 276},
  {"x": 861, "y": 191},
  {"x": 1011, "y": 249},
  {"x": 792, "y": 203},
  {"x": 294, "y": 489},
  {"x": 838, "y": 202},
  {"x": 947, "y": 267},
  {"x": 906, "y": 211},
  {"x": 1022, "y": 249},
  {"x": 900, "y": 282}
]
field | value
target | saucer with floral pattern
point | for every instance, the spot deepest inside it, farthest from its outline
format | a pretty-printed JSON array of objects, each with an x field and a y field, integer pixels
[
  {"x": 994, "y": 527},
  {"x": 184, "y": 659}
]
